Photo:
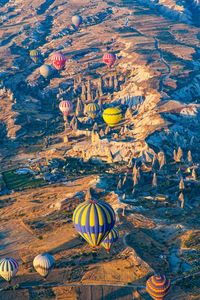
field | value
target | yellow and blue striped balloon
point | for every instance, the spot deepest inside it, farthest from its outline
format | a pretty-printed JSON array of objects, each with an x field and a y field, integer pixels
[
  {"x": 111, "y": 238},
  {"x": 35, "y": 55},
  {"x": 92, "y": 110},
  {"x": 8, "y": 268},
  {"x": 94, "y": 220}
]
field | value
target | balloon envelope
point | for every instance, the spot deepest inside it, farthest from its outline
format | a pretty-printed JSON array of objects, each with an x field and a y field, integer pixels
[
  {"x": 112, "y": 116},
  {"x": 43, "y": 263},
  {"x": 8, "y": 268},
  {"x": 158, "y": 286},
  {"x": 92, "y": 110},
  {"x": 94, "y": 220},
  {"x": 109, "y": 59},
  {"x": 46, "y": 71},
  {"x": 66, "y": 107},
  {"x": 77, "y": 20},
  {"x": 58, "y": 60},
  {"x": 35, "y": 55},
  {"x": 111, "y": 238}
]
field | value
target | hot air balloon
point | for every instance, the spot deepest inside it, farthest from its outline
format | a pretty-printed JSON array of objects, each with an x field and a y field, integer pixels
[
  {"x": 58, "y": 60},
  {"x": 43, "y": 263},
  {"x": 46, "y": 71},
  {"x": 94, "y": 220},
  {"x": 112, "y": 116},
  {"x": 66, "y": 108},
  {"x": 111, "y": 238},
  {"x": 92, "y": 110},
  {"x": 8, "y": 268},
  {"x": 77, "y": 20},
  {"x": 158, "y": 286},
  {"x": 109, "y": 59},
  {"x": 35, "y": 55}
]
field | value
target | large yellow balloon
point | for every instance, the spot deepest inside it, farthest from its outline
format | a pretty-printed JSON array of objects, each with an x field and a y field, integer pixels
[{"x": 112, "y": 116}]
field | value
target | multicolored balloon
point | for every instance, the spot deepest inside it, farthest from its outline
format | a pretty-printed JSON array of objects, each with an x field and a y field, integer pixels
[
  {"x": 92, "y": 110},
  {"x": 77, "y": 21},
  {"x": 94, "y": 220},
  {"x": 8, "y": 268},
  {"x": 111, "y": 238},
  {"x": 46, "y": 71},
  {"x": 109, "y": 59},
  {"x": 158, "y": 286},
  {"x": 66, "y": 108},
  {"x": 112, "y": 116},
  {"x": 35, "y": 55},
  {"x": 58, "y": 60},
  {"x": 43, "y": 263}
]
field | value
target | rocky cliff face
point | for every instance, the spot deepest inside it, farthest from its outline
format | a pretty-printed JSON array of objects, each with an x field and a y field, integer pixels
[{"x": 172, "y": 8}]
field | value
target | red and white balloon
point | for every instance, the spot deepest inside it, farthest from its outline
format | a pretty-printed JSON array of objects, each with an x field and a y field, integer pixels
[{"x": 58, "y": 60}]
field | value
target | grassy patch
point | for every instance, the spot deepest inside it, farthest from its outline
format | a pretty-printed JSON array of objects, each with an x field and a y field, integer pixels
[{"x": 23, "y": 181}]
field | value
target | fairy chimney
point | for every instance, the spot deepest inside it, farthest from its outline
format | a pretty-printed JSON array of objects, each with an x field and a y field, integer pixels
[
  {"x": 174, "y": 155},
  {"x": 194, "y": 176},
  {"x": 182, "y": 200},
  {"x": 189, "y": 156},
  {"x": 95, "y": 138},
  {"x": 161, "y": 159},
  {"x": 135, "y": 180},
  {"x": 79, "y": 107},
  {"x": 107, "y": 130},
  {"x": 100, "y": 87},
  {"x": 109, "y": 156},
  {"x": 111, "y": 82},
  {"x": 128, "y": 114},
  {"x": 102, "y": 133},
  {"x": 181, "y": 185},
  {"x": 134, "y": 169},
  {"x": 119, "y": 184},
  {"x": 116, "y": 83},
  {"x": 124, "y": 180},
  {"x": 179, "y": 155},
  {"x": 95, "y": 127},
  {"x": 88, "y": 195},
  {"x": 154, "y": 181}
]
